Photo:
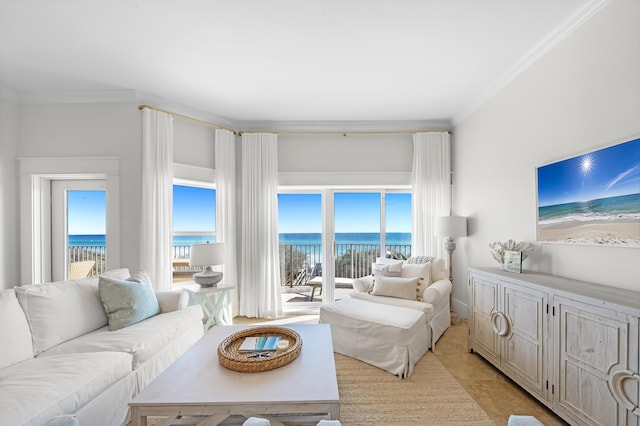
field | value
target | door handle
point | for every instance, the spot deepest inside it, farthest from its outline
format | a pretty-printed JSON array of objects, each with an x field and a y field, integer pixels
[
  {"x": 494, "y": 322},
  {"x": 615, "y": 382}
]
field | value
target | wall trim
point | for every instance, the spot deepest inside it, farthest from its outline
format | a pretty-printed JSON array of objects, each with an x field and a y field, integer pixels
[{"x": 35, "y": 191}]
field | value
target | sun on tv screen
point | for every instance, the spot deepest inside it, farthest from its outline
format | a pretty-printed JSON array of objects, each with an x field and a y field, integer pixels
[{"x": 592, "y": 198}]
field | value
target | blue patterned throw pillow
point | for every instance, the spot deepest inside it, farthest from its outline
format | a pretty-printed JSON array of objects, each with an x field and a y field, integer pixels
[{"x": 127, "y": 302}]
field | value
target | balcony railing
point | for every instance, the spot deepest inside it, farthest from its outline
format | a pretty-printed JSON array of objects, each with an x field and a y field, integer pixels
[
  {"x": 298, "y": 262},
  {"x": 301, "y": 262},
  {"x": 96, "y": 253}
]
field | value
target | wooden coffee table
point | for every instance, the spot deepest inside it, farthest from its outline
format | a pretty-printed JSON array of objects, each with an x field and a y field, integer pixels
[{"x": 196, "y": 385}]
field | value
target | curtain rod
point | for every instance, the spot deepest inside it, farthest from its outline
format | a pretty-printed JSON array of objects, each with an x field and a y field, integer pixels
[
  {"x": 186, "y": 118},
  {"x": 336, "y": 132},
  {"x": 239, "y": 133}
]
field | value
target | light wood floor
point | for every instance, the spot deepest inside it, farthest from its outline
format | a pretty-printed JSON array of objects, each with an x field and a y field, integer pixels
[{"x": 498, "y": 396}]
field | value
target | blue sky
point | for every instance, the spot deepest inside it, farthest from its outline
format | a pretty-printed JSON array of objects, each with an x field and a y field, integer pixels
[
  {"x": 354, "y": 212},
  {"x": 86, "y": 212},
  {"x": 194, "y": 210},
  {"x": 608, "y": 172}
]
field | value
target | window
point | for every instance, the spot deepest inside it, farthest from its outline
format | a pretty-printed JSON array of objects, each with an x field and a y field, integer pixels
[
  {"x": 194, "y": 221},
  {"x": 78, "y": 231},
  {"x": 398, "y": 224}
]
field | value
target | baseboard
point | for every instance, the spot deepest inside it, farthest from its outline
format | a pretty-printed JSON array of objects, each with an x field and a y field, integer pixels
[{"x": 460, "y": 308}]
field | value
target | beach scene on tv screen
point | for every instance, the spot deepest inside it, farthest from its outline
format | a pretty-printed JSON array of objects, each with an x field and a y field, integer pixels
[{"x": 592, "y": 198}]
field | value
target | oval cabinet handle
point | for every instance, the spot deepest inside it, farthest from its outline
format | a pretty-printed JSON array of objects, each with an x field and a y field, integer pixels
[
  {"x": 494, "y": 322},
  {"x": 615, "y": 383}
]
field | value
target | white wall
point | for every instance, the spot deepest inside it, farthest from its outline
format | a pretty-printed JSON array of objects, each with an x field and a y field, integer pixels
[
  {"x": 85, "y": 130},
  {"x": 583, "y": 95},
  {"x": 9, "y": 239},
  {"x": 92, "y": 130},
  {"x": 375, "y": 160},
  {"x": 193, "y": 144}
]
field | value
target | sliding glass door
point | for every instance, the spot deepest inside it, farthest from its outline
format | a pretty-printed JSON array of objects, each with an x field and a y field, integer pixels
[
  {"x": 301, "y": 248},
  {"x": 357, "y": 237},
  {"x": 329, "y": 237}
]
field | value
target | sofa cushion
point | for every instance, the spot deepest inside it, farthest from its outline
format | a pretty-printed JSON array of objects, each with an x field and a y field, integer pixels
[
  {"x": 38, "y": 389},
  {"x": 59, "y": 311},
  {"x": 127, "y": 302},
  {"x": 428, "y": 309},
  {"x": 14, "y": 331},
  {"x": 141, "y": 340}
]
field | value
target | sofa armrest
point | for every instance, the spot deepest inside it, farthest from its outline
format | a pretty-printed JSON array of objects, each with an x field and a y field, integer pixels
[
  {"x": 436, "y": 291},
  {"x": 170, "y": 301}
]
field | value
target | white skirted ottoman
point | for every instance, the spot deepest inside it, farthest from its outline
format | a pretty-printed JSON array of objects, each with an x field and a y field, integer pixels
[{"x": 392, "y": 338}]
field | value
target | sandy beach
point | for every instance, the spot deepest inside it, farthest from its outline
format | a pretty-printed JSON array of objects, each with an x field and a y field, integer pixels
[{"x": 592, "y": 232}]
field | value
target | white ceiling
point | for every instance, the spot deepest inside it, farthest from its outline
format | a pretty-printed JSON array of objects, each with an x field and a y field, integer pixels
[{"x": 280, "y": 60}]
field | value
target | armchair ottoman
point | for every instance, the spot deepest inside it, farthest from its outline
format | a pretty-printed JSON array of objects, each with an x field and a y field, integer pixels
[{"x": 392, "y": 338}]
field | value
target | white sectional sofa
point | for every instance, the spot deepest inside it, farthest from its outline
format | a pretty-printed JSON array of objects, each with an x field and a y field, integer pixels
[{"x": 59, "y": 356}]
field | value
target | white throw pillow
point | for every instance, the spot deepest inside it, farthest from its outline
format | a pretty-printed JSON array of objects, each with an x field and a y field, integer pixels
[
  {"x": 388, "y": 260},
  {"x": 386, "y": 269},
  {"x": 140, "y": 277},
  {"x": 14, "y": 331},
  {"x": 404, "y": 288},
  {"x": 363, "y": 284},
  {"x": 420, "y": 270},
  {"x": 63, "y": 310},
  {"x": 60, "y": 311}
]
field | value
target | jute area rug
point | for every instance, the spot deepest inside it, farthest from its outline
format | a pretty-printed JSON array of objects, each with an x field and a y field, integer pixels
[{"x": 370, "y": 396}]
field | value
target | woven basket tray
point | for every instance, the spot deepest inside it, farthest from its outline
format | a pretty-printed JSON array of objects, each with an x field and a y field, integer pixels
[{"x": 231, "y": 358}]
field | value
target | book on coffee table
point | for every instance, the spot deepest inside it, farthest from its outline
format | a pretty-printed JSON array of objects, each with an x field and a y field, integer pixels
[{"x": 259, "y": 343}]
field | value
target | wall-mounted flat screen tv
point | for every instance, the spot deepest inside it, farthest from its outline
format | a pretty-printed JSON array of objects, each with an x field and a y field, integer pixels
[{"x": 592, "y": 198}]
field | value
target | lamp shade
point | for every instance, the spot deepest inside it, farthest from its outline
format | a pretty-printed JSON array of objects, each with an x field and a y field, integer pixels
[
  {"x": 450, "y": 226},
  {"x": 207, "y": 254}
]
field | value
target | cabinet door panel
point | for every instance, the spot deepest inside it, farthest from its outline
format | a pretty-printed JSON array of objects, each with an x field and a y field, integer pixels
[
  {"x": 523, "y": 347},
  {"x": 484, "y": 298},
  {"x": 592, "y": 343}
]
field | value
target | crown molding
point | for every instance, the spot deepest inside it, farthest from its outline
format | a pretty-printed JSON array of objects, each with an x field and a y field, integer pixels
[
  {"x": 186, "y": 110},
  {"x": 345, "y": 126},
  {"x": 538, "y": 51}
]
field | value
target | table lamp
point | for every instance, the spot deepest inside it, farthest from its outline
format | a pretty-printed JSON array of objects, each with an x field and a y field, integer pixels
[{"x": 207, "y": 255}]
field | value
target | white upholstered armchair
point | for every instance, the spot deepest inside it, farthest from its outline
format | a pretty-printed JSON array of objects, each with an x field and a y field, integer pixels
[{"x": 420, "y": 283}]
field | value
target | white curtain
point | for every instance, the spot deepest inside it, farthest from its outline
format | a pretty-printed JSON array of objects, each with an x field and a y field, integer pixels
[
  {"x": 260, "y": 265},
  {"x": 431, "y": 186},
  {"x": 225, "y": 155},
  {"x": 157, "y": 192}
]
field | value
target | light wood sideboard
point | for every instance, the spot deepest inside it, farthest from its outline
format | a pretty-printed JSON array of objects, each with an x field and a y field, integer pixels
[{"x": 571, "y": 344}]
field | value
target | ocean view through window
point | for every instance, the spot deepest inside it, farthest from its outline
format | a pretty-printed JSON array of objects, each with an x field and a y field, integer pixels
[
  {"x": 370, "y": 225},
  {"x": 393, "y": 238},
  {"x": 361, "y": 226}
]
